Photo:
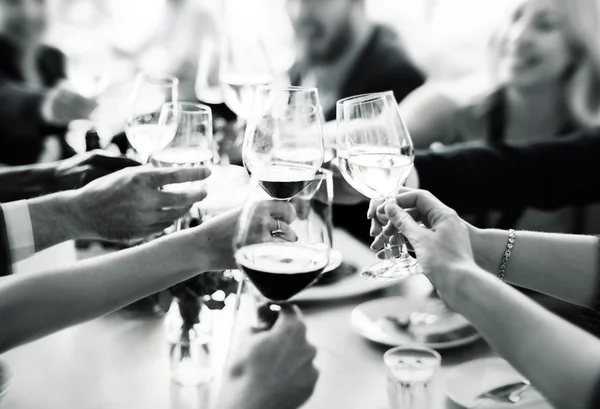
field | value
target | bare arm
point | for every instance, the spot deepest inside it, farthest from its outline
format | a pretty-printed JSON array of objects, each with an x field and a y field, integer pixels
[
  {"x": 35, "y": 305},
  {"x": 559, "y": 265},
  {"x": 546, "y": 349}
]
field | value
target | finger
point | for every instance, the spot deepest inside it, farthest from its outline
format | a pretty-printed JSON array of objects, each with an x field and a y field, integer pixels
[
  {"x": 167, "y": 176},
  {"x": 290, "y": 318},
  {"x": 378, "y": 242},
  {"x": 381, "y": 216},
  {"x": 175, "y": 199},
  {"x": 373, "y": 206},
  {"x": 422, "y": 200},
  {"x": 402, "y": 221},
  {"x": 278, "y": 209},
  {"x": 376, "y": 228},
  {"x": 169, "y": 215},
  {"x": 288, "y": 234}
]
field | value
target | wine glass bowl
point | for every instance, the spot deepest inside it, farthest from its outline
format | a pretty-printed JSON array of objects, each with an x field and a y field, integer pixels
[
  {"x": 144, "y": 131},
  {"x": 375, "y": 156},
  {"x": 283, "y": 143},
  {"x": 281, "y": 265}
]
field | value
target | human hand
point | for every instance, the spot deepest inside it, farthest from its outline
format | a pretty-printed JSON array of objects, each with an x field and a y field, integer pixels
[
  {"x": 62, "y": 105},
  {"x": 271, "y": 369},
  {"x": 129, "y": 203},
  {"x": 442, "y": 245},
  {"x": 81, "y": 169}
]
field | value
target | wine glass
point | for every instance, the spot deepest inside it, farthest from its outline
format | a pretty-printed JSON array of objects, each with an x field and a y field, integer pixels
[
  {"x": 144, "y": 132},
  {"x": 192, "y": 145},
  {"x": 283, "y": 144},
  {"x": 282, "y": 247},
  {"x": 376, "y": 155}
]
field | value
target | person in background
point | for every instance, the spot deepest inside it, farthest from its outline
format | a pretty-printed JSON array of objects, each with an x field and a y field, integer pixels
[
  {"x": 36, "y": 103},
  {"x": 343, "y": 53},
  {"x": 458, "y": 259},
  {"x": 544, "y": 63}
]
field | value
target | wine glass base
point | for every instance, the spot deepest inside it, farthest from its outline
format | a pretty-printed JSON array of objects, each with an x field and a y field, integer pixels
[{"x": 392, "y": 269}]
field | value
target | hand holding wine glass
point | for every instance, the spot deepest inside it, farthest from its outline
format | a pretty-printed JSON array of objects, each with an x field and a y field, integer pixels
[
  {"x": 375, "y": 156},
  {"x": 283, "y": 143},
  {"x": 144, "y": 131},
  {"x": 286, "y": 252}
]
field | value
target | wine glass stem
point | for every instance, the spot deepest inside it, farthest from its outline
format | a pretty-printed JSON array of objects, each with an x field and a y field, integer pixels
[{"x": 400, "y": 241}]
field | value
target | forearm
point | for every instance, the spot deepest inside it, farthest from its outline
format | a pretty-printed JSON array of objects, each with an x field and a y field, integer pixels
[
  {"x": 560, "y": 265},
  {"x": 35, "y": 305},
  {"x": 55, "y": 219},
  {"x": 24, "y": 182},
  {"x": 544, "y": 348}
]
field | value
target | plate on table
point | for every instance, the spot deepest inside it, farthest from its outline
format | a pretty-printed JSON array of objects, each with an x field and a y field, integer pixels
[
  {"x": 4, "y": 379},
  {"x": 467, "y": 381},
  {"x": 399, "y": 320}
]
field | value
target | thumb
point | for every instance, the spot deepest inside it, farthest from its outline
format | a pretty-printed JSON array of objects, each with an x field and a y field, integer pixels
[{"x": 402, "y": 221}]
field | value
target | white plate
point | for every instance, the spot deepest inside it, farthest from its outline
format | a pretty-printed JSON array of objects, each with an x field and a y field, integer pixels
[
  {"x": 467, "y": 381},
  {"x": 368, "y": 320},
  {"x": 335, "y": 260}
]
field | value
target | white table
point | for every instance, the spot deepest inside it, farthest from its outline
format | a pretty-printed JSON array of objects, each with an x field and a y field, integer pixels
[{"x": 117, "y": 362}]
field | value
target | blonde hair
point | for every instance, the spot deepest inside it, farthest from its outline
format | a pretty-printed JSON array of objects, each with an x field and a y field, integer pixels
[{"x": 582, "y": 26}]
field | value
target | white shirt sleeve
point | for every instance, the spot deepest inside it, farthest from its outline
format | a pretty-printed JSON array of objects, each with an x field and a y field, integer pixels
[{"x": 19, "y": 229}]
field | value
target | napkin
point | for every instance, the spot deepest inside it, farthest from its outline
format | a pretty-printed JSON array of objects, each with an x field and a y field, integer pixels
[{"x": 530, "y": 399}]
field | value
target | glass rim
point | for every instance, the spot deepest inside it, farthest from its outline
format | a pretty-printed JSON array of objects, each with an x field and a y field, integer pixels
[
  {"x": 414, "y": 347},
  {"x": 294, "y": 88},
  {"x": 189, "y": 107},
  {"x": 364, "y": 98},
  {"x": 160, "y": 80}
]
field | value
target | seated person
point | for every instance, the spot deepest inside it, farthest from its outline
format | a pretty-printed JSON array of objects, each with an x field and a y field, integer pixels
[
  {"x": 344, "y": 54},
  {"x": 543, "y": 63},
  {"x": 36, "y": 104},
  {"x": 458, "y": 258}
]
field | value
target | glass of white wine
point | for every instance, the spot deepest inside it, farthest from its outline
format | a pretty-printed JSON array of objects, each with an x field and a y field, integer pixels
[
  {"x": 144, "y": 132},
  {"x": 283, "y": 144},
  {"x": 375, "y": 156},
  {"x": 192, "y": 145}
]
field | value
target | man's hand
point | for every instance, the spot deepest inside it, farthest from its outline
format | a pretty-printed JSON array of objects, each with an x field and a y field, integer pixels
[
  {"x": 130, "y": 204},
  {"x": 81, "y": 169},
  {"x": 271, "y": 369}
]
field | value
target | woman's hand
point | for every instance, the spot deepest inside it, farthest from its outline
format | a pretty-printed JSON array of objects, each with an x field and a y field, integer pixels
[{"x": 442, "y": 245}]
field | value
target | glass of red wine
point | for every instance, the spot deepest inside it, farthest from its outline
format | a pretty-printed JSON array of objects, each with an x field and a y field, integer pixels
[
  {"x": 283, "y": 246},
  {"x": 283, "y": 143}
]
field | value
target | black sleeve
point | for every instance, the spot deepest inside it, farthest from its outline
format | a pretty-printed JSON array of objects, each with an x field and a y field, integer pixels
[
  {"x": 5, "y": 256},
  {"x": 543, "y": 174}
]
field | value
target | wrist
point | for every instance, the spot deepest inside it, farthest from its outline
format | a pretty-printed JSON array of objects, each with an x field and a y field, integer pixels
[
  {"x": 78, "y": 215},
  {"x": 454, "y": 289},
  {"x": 488, "y": 245}
]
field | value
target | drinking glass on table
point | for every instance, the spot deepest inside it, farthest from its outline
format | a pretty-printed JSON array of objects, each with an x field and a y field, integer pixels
[
  {"x": 282, "y": 247},
  {"x": 144, "y": 131},
  {"x": 283, "y": 144},
  {"x": 192, "y": 145},
  {"x": 375, "y": 156},
  {"x": 410, "y": 371}
]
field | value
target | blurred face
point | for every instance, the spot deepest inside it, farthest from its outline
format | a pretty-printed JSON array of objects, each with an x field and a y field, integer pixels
[
  {"x": 534, "y": 49},
  {"x": 322, "y": 27},
  {"x": 23, "y": 21}
]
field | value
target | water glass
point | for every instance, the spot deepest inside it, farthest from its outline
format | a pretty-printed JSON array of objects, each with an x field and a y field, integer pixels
[{"x": 410, "y": 371}]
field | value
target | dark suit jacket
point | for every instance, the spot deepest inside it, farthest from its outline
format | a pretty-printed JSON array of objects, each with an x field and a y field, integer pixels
[
  {"x": 5, "y": 256},
  {"x": 22, "y": 128},
  {"x": 382, "y": 66}
]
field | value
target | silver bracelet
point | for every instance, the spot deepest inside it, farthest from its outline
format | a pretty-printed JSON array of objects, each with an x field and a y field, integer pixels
[{"x": 506, "y": 256}]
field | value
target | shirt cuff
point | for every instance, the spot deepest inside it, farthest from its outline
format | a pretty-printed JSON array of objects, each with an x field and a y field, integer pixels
[{"x": 19, "y": 229}]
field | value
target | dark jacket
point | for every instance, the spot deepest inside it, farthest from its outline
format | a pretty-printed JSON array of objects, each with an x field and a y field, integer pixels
[
  {"x": 5, "y": 256},
  {"x": 382, "y": 66},
  {"x": 22, "y": 128}
]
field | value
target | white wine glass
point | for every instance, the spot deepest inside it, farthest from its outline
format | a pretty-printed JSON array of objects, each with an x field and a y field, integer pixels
[
  {"x": 283, "y": 143},
  {"x": 144, "y": 132},
  {"x": 375, "y": 156},
  {"x": 192, "y": 145},
  {"x": 282, "y": 247}
]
